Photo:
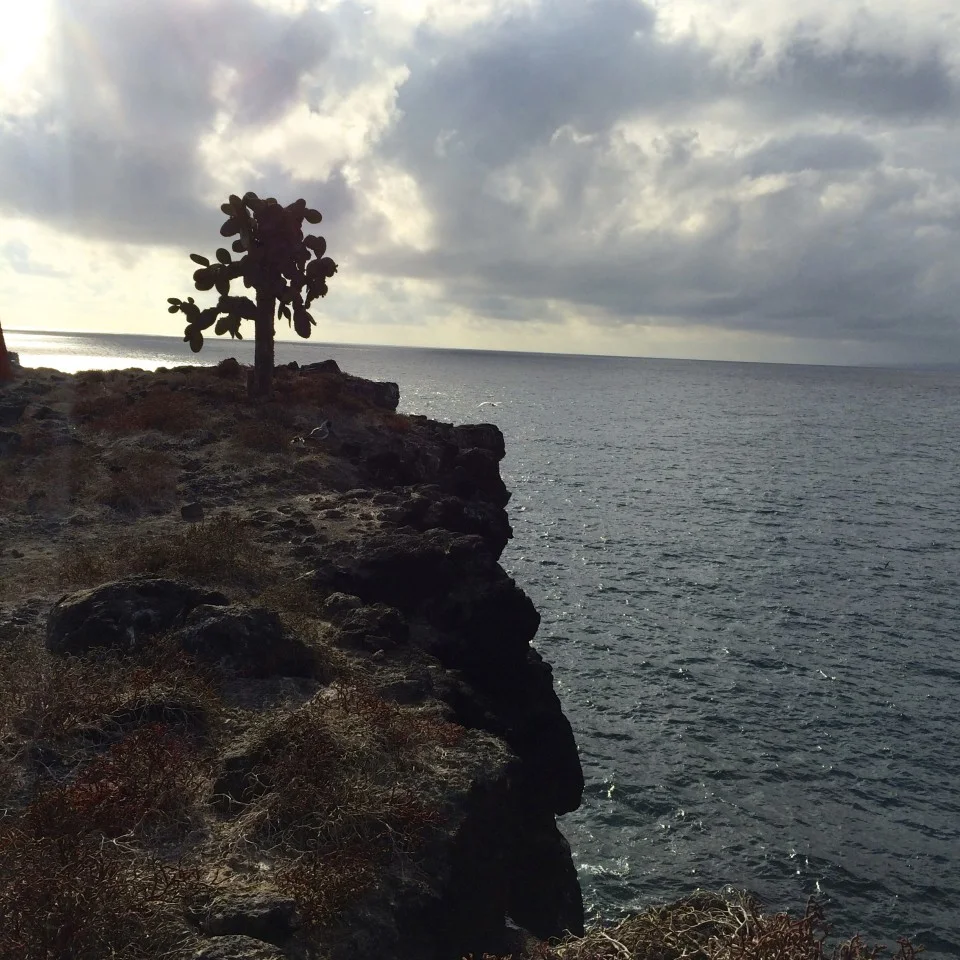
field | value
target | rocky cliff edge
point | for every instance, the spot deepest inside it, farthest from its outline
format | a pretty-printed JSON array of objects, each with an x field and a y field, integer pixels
[{"x": 265, "y": 690}]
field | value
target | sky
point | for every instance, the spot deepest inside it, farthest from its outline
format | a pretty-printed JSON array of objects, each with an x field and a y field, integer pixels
[{"x": 771, "y": 180}]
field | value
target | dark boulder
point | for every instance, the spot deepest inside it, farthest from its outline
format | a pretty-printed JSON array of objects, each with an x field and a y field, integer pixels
[
  {"x": 322, "y": 366},
  {"x": 377, "y": 627},
  {"x": 250, "y": 640},
  {"x": 11, "y": 409},
  {"x": 9, "y": 442},
  {"x": 122, "y": 615}
]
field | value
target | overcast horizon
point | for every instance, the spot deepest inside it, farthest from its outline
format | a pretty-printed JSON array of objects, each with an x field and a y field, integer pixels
[{"x": 709, "y": 179}]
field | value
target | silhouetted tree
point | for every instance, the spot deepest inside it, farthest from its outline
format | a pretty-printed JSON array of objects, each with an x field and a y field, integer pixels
[{"x": 286, "y": 270}]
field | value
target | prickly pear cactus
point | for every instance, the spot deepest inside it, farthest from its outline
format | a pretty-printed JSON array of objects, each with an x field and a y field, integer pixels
[{"x": 286, "y": 270}]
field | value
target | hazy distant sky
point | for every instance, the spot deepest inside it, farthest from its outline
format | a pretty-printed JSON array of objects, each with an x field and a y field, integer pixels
[{"x": 752, "y": 179}]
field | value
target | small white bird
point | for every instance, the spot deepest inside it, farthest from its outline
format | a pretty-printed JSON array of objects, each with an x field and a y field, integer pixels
[
  {"x": 489, "y": 403},
  {"x": 321, "y": 432}
]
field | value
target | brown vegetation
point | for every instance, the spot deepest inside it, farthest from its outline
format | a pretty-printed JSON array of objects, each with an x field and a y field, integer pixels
[
  {"x": 98, "y": 800},
  {"x": 341, "y": 786},
  {"x": 218, "y": 550},
  {"x": 717, "y": 926}
]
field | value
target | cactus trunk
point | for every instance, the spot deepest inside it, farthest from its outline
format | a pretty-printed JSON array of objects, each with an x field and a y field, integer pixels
[
  {"x": 263, "y": 348},
  {"x": 6, "y": 367}
]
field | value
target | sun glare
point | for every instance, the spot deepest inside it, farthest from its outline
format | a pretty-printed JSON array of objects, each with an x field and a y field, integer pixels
[{"x": 23, "y": 33}]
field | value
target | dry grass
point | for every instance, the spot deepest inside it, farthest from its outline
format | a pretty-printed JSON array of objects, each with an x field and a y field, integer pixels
[
  {"x": 51, "y": 481},
  {"x": 396, "y": 422},
  {"x": 219, "y": 550},
  {"x": 97, "y": 800},
  {"x": 139, "y": 481},
  {"x": 708, "y": 926},
  {"x": 81, "y": 897},
  {"x": 81, "y": 870},
  {"x": 262, "y": 436},
  {"x": 158, "y": 408},
  {"x": 47, "y": 699},
  {"x": 339, "y": 787}
]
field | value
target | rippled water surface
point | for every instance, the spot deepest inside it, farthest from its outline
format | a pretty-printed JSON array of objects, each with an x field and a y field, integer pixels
[{"x": 748, "y": 577}]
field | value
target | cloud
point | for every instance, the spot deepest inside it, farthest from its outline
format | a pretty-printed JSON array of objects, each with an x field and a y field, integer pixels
[
  {"x": 855, "y": 80},
  {"x": 523, "y": 162},
  {"x": 814, "y": 151},
  {"x": 114, "y": 150},
  {"x": 19, "y": 259}
]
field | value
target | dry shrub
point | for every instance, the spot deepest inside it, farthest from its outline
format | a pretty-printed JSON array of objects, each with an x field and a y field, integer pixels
[
  {"x": 395, "y": 422},
  {"x": 160, "y": 408},
  {"x": 140, "y": 481},
  {"x": 97, "y": 407},
  {"x": 82, "y": 898},
  {"x": 39, "y": 436},
  {"x": 51, "y": 481},
  {"x": 146, "y": 784},
  {"x": 263, "y": 436},
  {"x": 48, "y": 699},
  {"x": 75, "y": 880},
  {"x": 400, "y": 731},
  {"x": 214, "y": 551},
  {"x": 707, "y": 926},
  {"x": 298, "y": 604},
  {"x": 336, "y": 792}
]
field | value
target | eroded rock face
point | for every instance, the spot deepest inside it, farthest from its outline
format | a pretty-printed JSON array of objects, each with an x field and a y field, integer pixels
[{"x": 463, "y": 610}]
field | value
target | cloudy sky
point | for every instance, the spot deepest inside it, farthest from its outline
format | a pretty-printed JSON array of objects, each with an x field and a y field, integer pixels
[{"x": 735, "y": 179}]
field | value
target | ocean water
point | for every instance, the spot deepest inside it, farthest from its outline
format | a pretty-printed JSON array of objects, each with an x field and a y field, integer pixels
[{"x": 749, "y": 577}]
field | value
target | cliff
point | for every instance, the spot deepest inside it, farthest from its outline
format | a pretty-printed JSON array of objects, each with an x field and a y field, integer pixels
[{"x": 265, "y": 690}]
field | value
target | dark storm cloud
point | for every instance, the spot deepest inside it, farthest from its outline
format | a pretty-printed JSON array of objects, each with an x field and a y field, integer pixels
[
  {"x": 855, "y": 80},
  {"x": 514, "y": 84},
  {"x": 846, "y": 247},
  {"x": 114, "y": 153}
]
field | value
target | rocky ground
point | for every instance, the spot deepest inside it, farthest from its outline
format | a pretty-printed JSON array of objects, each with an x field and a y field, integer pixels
[{"x": 266, "y": 693}]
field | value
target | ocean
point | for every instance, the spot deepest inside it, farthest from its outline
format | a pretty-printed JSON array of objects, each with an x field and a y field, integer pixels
[{"x": 749, "y": 578}]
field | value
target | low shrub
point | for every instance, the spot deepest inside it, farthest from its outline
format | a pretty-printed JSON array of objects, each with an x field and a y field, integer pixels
[
  {"x": 338, "y": 790},
  {"x": 163, "y": 409},
  {"x": 146, "y": 784},
  {"x": 52, "y": 700},
  {"x": 218, "y": 550},
  {"x": 395, "y": 422},
  {"x": 139, "y": 481},
  {"x": 708, "y": 926},
  {"x": 79, "y": 897},
  {"x": 263, "y": 436}
]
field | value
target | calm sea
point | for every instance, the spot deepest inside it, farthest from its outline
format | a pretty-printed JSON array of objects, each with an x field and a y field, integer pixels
[{"x": 748, "y": 576}]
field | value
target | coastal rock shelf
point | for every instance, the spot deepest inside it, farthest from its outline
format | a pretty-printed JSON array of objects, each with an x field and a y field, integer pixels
[{"x": 310, "y": 723}]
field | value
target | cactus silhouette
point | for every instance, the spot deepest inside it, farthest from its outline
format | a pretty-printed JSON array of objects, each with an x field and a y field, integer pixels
[{"x": 286, "y": 270}]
